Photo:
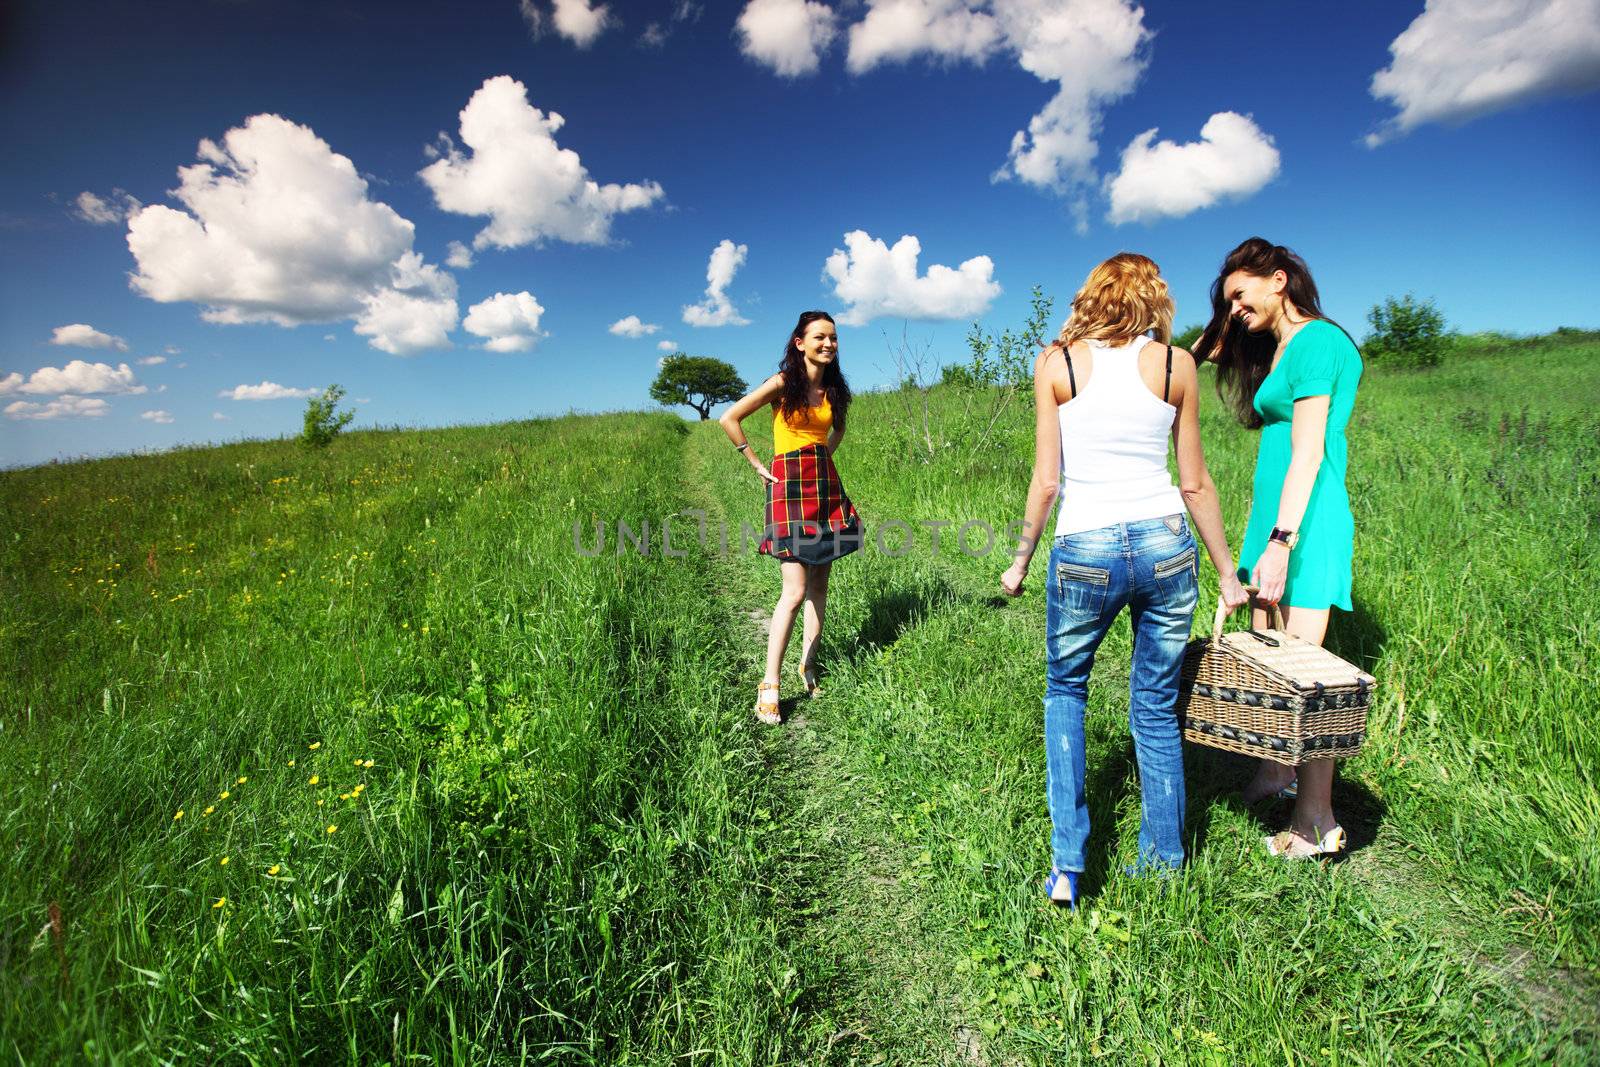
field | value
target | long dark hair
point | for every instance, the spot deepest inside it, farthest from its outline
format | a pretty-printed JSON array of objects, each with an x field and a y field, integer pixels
[
  {"x": 1243, "y": 358},
  {"x": 796, "y": 396}
]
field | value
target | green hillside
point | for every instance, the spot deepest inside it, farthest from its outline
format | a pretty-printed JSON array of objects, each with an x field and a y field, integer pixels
[{"x": 455, "y": 790}]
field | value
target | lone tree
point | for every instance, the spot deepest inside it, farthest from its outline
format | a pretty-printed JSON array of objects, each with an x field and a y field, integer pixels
[
  {"x": 323, "y": 420},
  {"x": 685, "y": 378}
]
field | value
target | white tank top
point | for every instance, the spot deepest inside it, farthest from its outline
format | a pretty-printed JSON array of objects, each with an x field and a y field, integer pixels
[{"x": 1114, "y": 447}]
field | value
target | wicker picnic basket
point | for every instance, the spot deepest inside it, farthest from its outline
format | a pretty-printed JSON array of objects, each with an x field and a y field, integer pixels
[{"x": 1270, "y": 694}]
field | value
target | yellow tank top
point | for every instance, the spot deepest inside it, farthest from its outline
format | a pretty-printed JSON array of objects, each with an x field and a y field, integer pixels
[{"x": 810, "y": 429}]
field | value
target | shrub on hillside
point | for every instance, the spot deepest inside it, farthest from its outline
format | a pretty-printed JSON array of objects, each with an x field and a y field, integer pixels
[
  {"x": 1185, "y": 339},
  {"x": 323, "y": 421},
  {"x": 1405, "y": 333}
]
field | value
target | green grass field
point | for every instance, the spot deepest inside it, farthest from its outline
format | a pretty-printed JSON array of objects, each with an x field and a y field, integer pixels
[{"x": 453, "y": 791}]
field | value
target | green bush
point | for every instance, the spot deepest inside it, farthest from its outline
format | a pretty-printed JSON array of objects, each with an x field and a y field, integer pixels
[
  {"x": 323, "y": 422},
  {"x": 1406, "y": 333},
  {"x": 1186, "y": 338}
]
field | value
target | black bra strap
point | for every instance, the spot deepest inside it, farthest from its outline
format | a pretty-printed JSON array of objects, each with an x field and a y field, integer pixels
[
  {"x": 1166, "y": 389},
  {"x": 1072, "y": 379}
]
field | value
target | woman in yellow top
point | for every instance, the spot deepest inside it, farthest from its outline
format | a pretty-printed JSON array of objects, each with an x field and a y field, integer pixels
[{"x": 810, "y": 521}]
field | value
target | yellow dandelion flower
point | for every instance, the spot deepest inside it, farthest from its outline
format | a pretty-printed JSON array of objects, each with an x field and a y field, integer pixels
[
  {"x": 359, "y": 788},
  {"x": 357, "y": 763},
  {"x": 178, "y": 816},
  {"x": 319, "y": 803},
  {"x": 366, "y": 763},
  {"x": 274, "y": 869},
  {"x": 222, "y": 795},
  {"x": 344, "y": 796},
  {"x": 313, "y": 746},
  {"x": 241, "y": 780},
  {"x": 424, "y": 629},
  {"x": 291, "y": 763},
  {"x": 224, "y": 862},
  {"x": 315, "y": 778},
  {"x": 220, "y": 902},
  {"x": 209, "y": 809},
  {"x": 332, "y": 827}
]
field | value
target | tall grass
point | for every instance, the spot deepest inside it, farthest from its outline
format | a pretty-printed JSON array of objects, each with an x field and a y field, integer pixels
[{"x": 448, "y": 789}]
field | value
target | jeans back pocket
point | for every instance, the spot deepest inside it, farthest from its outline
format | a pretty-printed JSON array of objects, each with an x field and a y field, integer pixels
[
  {"x": 1082, "y": 589},
  {"x": 1178, "y": 578}
]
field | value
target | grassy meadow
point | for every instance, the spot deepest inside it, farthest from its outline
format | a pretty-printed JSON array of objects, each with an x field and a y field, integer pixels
[{"x": 453, "y": 791}]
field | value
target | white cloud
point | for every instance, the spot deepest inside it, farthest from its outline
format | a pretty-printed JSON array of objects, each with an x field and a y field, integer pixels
[
  {"x": 896, "y": 30},
  {"x": 151, "y": 361},
  {"x": 415, "y": 313},
  {"x": 666, "y": 346},
  {"x": 530, "y": 188},
  {"x": 1463, "y": 58},
  {"x": 278, "y": 229},
  {"x": 219, "y": 416},
  {"x": 76, "y": 377},
  {"x": 459, "y": 256},
  {"x": 579, "y": 21},
  {"x": 875, "y": 280},
  {"x": 716, "y": 309},
  {"x": 1233, "y": 158},
  {"x": 1094, "y": 51},
  {"x": 105, "y": 211},
  {"x": 82, "y": 335},
  {"x": 267, "y": 391},
  {"x": 509, "y": 321},
  {"x": 790, "y": 36},
  {"x": 633, "y": 326},
  {"x": 157, "y": 416},
  {"x": 60, "y": 408}
]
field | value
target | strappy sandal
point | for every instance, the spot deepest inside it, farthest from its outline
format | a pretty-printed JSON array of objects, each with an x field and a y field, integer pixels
[
  {"x": 808, "y": 678},
  {"x": 767, "y": 710},
  {"x": 1290, "y": 845},
  {"x": 1062, "y": 887}
]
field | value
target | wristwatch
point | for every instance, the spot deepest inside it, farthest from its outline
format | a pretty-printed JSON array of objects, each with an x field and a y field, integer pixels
[{"x": 1286, "y": 538}]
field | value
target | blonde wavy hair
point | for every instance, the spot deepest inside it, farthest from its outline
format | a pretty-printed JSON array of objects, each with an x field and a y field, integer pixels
[{"x": 1122, "y": 298}]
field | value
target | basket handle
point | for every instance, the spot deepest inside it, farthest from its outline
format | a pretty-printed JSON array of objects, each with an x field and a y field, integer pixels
[{"x": 1274, "y": 617}]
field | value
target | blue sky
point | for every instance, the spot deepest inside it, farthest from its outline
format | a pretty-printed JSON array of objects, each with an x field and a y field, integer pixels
[{"x": 317, "y": 248}]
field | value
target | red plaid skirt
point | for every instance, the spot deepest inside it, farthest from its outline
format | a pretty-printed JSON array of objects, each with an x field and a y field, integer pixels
[{"x": 809, "y": 517}]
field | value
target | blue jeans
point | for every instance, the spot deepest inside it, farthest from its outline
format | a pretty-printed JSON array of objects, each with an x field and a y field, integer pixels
[{"x": 1150, "y": 566}]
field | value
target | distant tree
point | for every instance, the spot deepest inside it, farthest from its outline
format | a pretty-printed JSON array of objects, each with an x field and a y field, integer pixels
[
  {"x": 696, "y": 381},
  {"x": 1186, "y": 338},
  {"x": 1406, "y": 333},
  {"x": 323, "y": 422}
]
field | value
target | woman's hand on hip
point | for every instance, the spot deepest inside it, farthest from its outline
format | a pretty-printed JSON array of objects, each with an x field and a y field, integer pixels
[
  {"x": 1011, "y": 581},
  {"x": 761, "y": 470},
  {"x": 1272, "y": 572}
]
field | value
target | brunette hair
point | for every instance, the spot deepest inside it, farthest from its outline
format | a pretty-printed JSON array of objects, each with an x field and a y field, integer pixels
[
  {"x": 1122, "y": 298},
  {"x": 1243, "y": 358},
  {"x": 795, "y": 397}
]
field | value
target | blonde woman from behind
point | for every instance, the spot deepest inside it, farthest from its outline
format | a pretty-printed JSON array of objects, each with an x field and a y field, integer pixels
[{"x": 1109, "y": 396}]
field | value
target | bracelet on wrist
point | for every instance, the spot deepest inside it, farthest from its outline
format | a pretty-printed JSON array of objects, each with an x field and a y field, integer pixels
[{"x": 742, "y": 447}]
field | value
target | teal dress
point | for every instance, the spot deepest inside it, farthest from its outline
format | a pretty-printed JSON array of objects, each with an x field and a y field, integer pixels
[{"x": 1320, "y": 360}]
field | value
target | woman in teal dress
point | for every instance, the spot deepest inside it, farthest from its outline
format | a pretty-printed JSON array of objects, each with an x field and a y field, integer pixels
[{"x": 1291, "y": 372}]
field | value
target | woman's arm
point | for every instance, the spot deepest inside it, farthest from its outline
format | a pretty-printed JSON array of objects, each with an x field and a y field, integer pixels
[
  {"x": 732, "y": 419},
  {"x": 1046, "y": 482},
  {"x": 1306, "y": 433},
  {"x": 835, "y": 435},
  {"x": 1194, "y": 481}
]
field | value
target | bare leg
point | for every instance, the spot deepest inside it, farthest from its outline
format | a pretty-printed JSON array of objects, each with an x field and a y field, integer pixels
[
  {"x": 1271, "y": 777},
  {"x": 789, "y": 601},
  {"x": 1313, "y": 808},
  {"x": 815, "y": 606}
]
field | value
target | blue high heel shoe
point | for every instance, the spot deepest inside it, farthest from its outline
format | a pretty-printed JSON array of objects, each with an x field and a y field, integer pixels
[{"x": 1062, "y": 887}]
